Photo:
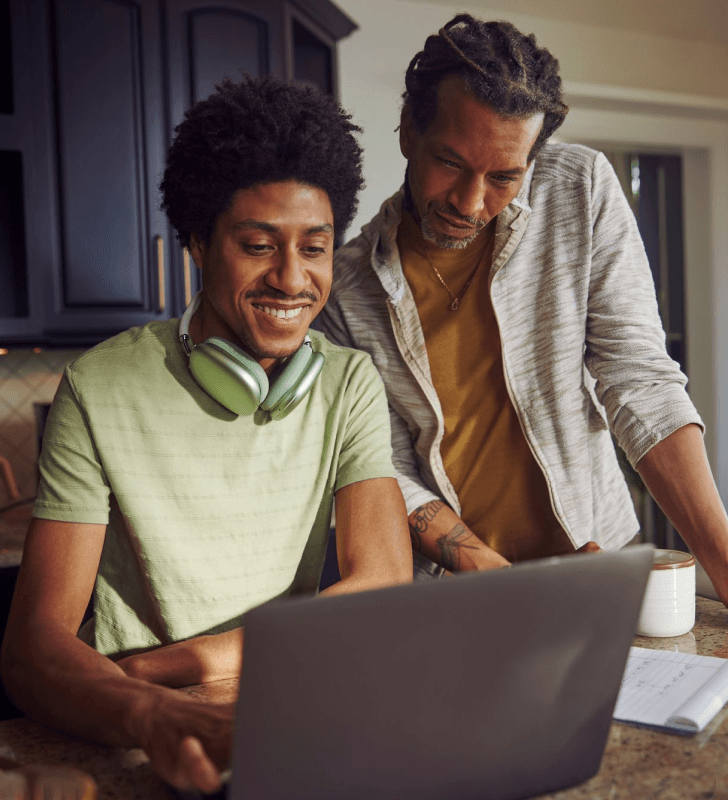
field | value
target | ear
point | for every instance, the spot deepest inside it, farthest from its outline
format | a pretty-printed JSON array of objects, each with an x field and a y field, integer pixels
[
  {"x": 406, "y": 132},
  {"x": 198, "y": 250}
]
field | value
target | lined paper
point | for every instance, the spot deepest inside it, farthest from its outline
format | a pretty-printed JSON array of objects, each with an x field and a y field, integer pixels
[{"x": 674, "y": 690}]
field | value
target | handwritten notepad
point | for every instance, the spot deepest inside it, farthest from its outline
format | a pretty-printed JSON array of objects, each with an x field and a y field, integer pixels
[{"x": 678, "y": 691}]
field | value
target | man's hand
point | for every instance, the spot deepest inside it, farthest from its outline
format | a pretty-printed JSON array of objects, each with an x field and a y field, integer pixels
[
  {"x": 589, "y": 547},
  {"x": 188, "y": 741},
  {"x": 438, "y": 533}
]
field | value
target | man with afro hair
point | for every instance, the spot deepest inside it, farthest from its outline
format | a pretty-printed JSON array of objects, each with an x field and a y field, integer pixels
[
  {"x": 190, "y": 467},
  {"x": 505, "y": 296}
]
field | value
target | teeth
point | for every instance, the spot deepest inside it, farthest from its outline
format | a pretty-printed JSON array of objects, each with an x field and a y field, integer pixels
[{"x": 282, "y": 313}]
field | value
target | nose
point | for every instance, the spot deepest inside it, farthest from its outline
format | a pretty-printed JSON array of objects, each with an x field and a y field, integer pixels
[
  {"x": 288, "y": 273},
  {"x": 468, "y": 195}
]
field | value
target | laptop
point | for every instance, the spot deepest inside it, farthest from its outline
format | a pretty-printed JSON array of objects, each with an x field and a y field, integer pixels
[{"x": 497, "y": 685}]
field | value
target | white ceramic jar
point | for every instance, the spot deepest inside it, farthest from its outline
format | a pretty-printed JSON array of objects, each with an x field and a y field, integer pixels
[{"x": 668, "y": 607}]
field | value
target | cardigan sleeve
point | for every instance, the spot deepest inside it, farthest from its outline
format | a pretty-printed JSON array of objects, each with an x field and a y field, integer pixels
[{"x": 641, "y": 388}]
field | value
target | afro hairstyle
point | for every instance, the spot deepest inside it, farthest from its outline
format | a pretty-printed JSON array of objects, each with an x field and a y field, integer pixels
[{"x": 258, "y": 131}]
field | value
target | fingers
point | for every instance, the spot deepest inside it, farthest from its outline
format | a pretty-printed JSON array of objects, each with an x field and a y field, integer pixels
[{"x": 194, "y": 769}]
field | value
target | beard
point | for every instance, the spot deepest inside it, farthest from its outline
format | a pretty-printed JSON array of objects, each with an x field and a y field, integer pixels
[{"x": 443, "y": 240}]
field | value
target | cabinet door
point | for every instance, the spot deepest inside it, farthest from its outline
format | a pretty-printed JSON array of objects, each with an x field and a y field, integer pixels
[
  {"x": 207, "y": 42},
  {"x": 107, "y": 123},
  {"x": 21, "y": 227}
]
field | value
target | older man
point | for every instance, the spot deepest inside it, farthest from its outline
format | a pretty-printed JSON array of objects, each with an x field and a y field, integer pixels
[{"x": 505, "y": 296}]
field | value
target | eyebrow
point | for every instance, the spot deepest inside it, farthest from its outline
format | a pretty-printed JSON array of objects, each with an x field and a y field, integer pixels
[
  {"x": 514, "y": 171},
  {"x": 259, "y": 225}
]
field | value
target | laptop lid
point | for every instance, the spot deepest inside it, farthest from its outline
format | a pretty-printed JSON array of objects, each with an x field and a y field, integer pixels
[{"x": 498, "y": 684}]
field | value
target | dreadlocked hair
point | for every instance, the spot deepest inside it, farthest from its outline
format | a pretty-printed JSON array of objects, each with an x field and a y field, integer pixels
[
  {"x": 498, "y": 64},
  {"x": 259, "y": 131}
]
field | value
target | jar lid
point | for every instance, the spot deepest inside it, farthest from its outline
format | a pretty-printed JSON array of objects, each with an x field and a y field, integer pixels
[{"x": 672, "y": 559}]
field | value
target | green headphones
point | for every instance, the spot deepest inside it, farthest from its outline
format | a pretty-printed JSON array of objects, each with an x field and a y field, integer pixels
[{"x": 238, "y": 382}]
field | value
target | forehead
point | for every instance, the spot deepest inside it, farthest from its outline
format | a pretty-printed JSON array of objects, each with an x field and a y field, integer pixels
[
  {"x": 283, "y": 204},
  {"x": 470, "y": 127}
]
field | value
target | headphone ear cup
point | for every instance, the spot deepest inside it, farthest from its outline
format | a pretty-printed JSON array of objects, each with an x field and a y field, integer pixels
[
  {"x": 296, "y": 389},
  {"x": 229, "y": 375},
  {"x": 287, "y": 376}
]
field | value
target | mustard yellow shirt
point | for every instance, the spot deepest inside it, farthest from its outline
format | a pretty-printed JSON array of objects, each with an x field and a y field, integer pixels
[{"x": 502, "y": 491}]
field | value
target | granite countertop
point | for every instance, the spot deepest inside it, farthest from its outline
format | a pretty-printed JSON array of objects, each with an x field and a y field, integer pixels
[
  {"x": 118, "y": 773},
  {"x": 654, "y": 765},
  {"x": 638, "y": 762}
]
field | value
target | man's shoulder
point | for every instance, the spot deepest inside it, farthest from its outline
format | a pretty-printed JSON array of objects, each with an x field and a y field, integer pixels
[
  {"x": 565, "y": 161},
  {"x": 130, "y": 353},
  {"x": 345, "y": 359},
  {"x": 572, "y": 169},
  {"x": 347, "y": 369}
]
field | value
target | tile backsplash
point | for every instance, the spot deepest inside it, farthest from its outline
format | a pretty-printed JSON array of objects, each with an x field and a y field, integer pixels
[{"x": 26, "y": 377}]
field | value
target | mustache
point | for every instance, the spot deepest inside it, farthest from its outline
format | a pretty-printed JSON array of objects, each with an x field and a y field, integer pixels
[
  {"x": 451, "y": 211},
  {"x": 276, "y": 294}
]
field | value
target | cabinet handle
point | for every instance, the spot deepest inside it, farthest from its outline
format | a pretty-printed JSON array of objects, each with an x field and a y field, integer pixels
[
  {"x": 187, "y": 275},
  {"x": 161, "y": 293}
]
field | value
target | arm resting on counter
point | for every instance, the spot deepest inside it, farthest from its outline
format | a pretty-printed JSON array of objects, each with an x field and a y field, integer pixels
[
  {"x": 677, "y": 473},
  {"x": 438, "y": 533},
  {"x": 59, "y": 681},
  {"x": 203, "y": 659}
]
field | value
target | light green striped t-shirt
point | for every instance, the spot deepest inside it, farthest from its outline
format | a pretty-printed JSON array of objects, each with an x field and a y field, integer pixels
[{"x": 208, "y": 514}]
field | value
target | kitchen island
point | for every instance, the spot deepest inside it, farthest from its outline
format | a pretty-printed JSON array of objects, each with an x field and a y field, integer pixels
[{"x": 638, "y": 763}]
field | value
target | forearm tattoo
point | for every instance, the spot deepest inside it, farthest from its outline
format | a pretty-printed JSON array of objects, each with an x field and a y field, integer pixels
[
  {"x": 420, "y": 519},
  {"x": 451, "y": 544}
]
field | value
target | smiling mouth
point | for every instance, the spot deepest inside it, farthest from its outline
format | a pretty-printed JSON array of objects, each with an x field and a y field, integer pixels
[{"x": 280, "y": 313}]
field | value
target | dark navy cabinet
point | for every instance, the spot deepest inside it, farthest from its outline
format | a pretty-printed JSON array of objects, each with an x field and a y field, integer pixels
[
  {"x": 22, "y": 178},
  {"x": 105, "y": 124},
  {"x": 89, "y": 97}
]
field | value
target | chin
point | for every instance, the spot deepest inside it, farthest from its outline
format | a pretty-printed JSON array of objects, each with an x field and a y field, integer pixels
[
  {"x": 442, "y": 240},
  {"x": 272, "y": 350}
]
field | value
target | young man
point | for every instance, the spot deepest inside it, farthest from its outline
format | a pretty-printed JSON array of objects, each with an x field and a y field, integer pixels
[
  {"x": 505, "y": 296},
  {"x": 174, "y": 480}
]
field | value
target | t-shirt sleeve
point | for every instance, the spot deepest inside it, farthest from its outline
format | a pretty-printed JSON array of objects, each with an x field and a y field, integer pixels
[
  {"x": 73, "y": 485},
  {"x": 366, "y": 450}
]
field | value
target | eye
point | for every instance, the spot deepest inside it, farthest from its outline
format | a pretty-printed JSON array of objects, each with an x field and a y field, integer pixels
[
  {"x": 312, "y": 250},
  {"x": 448, "y": 163},
  {"x": 257, "y": 249},
  {"x": 504, "y": 179}
]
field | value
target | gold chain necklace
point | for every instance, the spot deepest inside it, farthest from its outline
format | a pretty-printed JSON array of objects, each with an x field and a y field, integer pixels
[{"x": 456, "y": 298}]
